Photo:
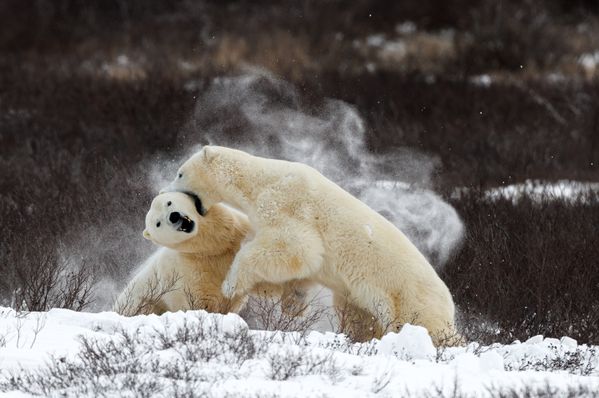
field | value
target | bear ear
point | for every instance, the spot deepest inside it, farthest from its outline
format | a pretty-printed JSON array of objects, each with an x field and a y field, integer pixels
[
  {"x": 209, "y": 153},
  {"x": 146, "y": 234}
]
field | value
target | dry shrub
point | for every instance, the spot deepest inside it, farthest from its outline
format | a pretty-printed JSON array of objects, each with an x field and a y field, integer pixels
[
  {"x": 274, "y": 313},
  {"x": 528, "y": 267},
  {"x": 508, "y": 35},
  {"x": 230, "y": 52},
  {"x": 150, "y": 299},
  {"x": 293, "y": 363},
  {"x": 284, "y": 53},
  {"x": 358, "y": 324},
  {"x": 133, "y": 363}
]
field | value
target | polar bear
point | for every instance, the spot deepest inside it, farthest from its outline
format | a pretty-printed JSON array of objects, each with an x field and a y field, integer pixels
[
  {"x": 187, "y": 272},
  {"x": 306, "y": 226}
]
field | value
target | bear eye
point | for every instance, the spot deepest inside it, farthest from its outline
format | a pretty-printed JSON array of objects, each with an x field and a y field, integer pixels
[
  {"x": 158, "y": 224},
  {"x": 169, "y": 203},
  {"x": 180, "y": 175}
]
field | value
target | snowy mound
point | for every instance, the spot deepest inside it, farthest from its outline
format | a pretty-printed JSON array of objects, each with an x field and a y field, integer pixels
[
  {"x": 563, "y": 190},
  {"x": 65, "y": 353}
]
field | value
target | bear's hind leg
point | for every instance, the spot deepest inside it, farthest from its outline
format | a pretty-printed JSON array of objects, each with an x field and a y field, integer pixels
[
  {"x": 354, "y": 321},
  {"x": 379, "y": 304},
  {"x": 294, "y": 299},
  {"x": 438, "y": 319}
]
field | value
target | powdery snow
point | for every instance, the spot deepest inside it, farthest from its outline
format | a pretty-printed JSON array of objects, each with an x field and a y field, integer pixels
[{"x": 221, "y": 357}]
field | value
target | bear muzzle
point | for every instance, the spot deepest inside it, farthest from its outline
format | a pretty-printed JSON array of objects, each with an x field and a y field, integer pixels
[
  {"x": 182, "y": 222},
  {"x": 174, "y": 217}
]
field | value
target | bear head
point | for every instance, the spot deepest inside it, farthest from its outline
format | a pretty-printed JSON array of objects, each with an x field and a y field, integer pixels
[
  {"x": 173, "y": 218},
  {"x": 212, "y": 173},
  {"x": 178, "y": 220}
]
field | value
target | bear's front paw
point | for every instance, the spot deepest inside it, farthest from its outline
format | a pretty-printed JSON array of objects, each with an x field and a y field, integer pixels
[{"x": 228, "y": 287}]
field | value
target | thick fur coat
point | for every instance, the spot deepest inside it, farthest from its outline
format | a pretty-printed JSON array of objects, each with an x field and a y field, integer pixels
[
  {"x": 196, "y": 254},
  {"x": 306, "y": 226}
]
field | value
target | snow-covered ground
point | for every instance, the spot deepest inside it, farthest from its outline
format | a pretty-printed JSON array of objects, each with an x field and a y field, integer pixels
[
  {"x": 66, "y": 353},
  {"x": 565, "y": 190}
]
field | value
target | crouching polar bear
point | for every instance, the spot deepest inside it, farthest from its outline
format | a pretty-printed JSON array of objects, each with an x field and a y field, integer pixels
[
  {"x": 306, "y": 226},
  {"x": 188, "y": 271}
]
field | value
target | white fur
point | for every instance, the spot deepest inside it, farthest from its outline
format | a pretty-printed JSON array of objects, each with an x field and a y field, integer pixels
[
  {"x": 192, "y": 265},
  {"x": 308, "y": 227}
]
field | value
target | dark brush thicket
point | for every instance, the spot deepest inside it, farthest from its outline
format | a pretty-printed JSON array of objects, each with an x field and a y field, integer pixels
[
  {"x": 77, "y": 143},
  {"x": 527, "y": 268}
]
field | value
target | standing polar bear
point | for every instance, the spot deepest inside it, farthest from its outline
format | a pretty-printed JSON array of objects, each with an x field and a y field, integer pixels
[
  {"x": 306, "y": 226},
  {"x": 197, "y": 250}
]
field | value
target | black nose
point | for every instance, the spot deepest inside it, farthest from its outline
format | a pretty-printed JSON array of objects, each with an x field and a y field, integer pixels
[{"x": 174, "y": 217}]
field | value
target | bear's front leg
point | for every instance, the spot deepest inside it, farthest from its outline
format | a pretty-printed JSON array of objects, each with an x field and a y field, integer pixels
[
  {"x": 229, "y": 287},
  {"x": 275, "y": 255},
  {"x": 242, "y": 276}
]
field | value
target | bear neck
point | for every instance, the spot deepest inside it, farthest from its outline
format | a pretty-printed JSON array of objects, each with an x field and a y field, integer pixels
[
  {"x": 220, "y": 234},
  {"x": 206, "y": 256},
  {"x": 243, "y": 184},
  {"x": 205, "y": 247}
]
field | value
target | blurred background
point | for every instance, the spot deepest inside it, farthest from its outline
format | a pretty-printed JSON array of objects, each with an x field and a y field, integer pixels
[{"x": 488, "y": 108}]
